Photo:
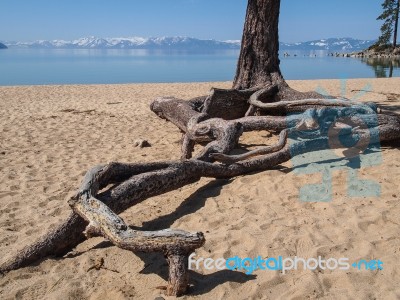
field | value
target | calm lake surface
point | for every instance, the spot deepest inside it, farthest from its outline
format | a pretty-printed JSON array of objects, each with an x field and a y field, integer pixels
[{"x": 71, "y": 66}]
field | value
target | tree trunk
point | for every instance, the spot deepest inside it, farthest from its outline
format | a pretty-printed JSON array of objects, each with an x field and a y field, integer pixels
[
  {"x": 396, "y": 24},
  {"x": 216, "y": 120},
  {"x": 258, "y": 63},
  {"x": 391, "y": 69}
]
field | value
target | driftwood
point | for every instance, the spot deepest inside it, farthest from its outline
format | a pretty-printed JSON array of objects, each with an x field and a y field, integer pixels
[
  {"x": 260, "y": 100},
  {"x": 176, "y": 245},
  {"x": 216, "y": 121}
]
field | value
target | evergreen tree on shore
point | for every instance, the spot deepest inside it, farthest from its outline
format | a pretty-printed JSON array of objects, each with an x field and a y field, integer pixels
[{"x": 390, "y": 16}]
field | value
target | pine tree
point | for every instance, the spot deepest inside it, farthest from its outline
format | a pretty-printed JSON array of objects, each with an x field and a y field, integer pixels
[{"x": 390, "y": 16}]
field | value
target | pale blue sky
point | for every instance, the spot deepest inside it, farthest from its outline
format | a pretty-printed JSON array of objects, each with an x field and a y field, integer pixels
[{"x": 301, "y": 20}]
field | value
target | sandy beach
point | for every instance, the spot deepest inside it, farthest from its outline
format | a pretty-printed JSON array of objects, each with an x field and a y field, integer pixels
[{"x": 51, "y": 135}]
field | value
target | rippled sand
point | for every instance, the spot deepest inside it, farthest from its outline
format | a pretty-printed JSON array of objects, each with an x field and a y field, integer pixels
[{"x": 51, "y": 135}]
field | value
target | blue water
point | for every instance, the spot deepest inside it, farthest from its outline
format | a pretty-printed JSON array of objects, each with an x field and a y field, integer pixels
[{"x": 71, "y": 66}]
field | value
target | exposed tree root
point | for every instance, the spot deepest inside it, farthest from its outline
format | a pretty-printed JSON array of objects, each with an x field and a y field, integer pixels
[
  {"x": 217, "y": 120},
  {"x": 229, "y": 159},
  {"x": 176, "y": 245}
]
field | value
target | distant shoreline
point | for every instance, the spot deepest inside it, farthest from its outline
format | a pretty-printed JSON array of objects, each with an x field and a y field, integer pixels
[
  {"x": 55, "y": 67},
  {"x": 185, "y": 43},
  {"x": 371, "y": 53}
]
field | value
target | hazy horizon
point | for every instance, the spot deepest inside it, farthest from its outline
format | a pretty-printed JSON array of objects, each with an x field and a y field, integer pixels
[
  {"x": 150, "y": 37},
  {"x": 203, "y": 19}
]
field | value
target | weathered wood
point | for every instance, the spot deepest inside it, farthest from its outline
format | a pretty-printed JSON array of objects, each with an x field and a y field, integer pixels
[
  {"x": 187, "y": 147},
  {"x": 224, "y": 136},
  {"x": 220, "y": 103},
  {"x": 229, "y": 159},
  {"x": 262, "y": 95},
  {"x": 175, "y": 244},
  {"x": 63, "y": 238},
  {"x": 179, "y": 112},
  {"x": 178, "y": 273},
  {"x": 304, "y": 104},
  {"x": 227, "y": 104},
  {"x": 140, "y": 181},
  {"x": 57, "y": 241},
  {"x": 217, "y": 119}
]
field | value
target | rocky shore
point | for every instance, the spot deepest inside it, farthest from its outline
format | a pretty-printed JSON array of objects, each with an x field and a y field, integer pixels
[{"x": 372, "y": 53}]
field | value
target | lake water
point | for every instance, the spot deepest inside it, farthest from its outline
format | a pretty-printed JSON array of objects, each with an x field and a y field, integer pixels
[{"x": 55, "y": 66}]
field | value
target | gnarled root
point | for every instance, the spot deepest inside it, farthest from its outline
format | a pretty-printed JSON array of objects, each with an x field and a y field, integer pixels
[
  {"x": 175, "y": 244},
  {"x": 219, "y": 120},
  {"x": 230, "y": 159}
]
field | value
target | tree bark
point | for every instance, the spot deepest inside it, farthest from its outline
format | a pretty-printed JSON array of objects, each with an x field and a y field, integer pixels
[
  {"x": 258, "y": 63},
  {"x": 396, "y": 24},
  {"x": 136, "y": 182},
  {"x": 216, "y": 120}
]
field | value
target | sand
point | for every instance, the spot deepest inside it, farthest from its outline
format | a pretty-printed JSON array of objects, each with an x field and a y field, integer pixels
[{"x": 51, "y": 135}]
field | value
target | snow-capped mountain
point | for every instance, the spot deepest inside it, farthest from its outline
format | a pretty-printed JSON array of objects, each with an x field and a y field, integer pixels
[
  {"x": 178, "y": 43},
  {"x": 332, "y": 44},
  {"x": 186, "y": 43},
  {"x": 2, "y": 46}
]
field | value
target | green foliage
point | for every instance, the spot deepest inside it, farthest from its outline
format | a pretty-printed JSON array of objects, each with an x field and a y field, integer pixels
[
  {"x": 389, "y": 16},
  {"x": 378, "y": 47}
]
